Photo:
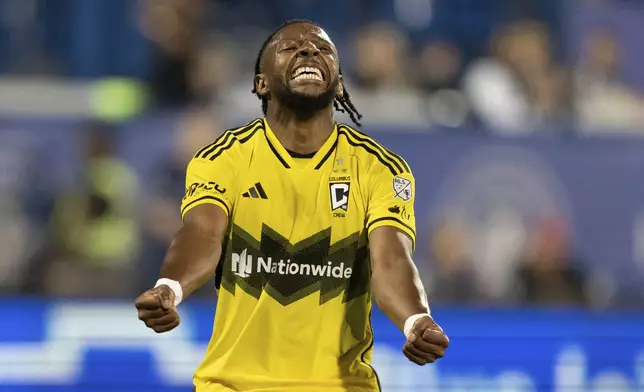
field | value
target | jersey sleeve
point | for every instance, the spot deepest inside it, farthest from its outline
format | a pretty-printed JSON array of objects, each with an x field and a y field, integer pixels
[
  {"x": 391, "y": 202},
  {"x": 209, "y": 182}
]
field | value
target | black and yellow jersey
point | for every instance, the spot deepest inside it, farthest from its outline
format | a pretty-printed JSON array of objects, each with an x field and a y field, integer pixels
[{"x": 293, "y": 282}]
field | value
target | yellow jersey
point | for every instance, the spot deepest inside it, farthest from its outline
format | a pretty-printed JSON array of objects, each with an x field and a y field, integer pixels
[{"x": 294, "y": 304}]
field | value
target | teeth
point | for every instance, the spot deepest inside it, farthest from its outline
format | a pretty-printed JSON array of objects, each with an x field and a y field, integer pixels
[
  {"x": 308, "y": 73},
  {"x": 308, "y": 76}
]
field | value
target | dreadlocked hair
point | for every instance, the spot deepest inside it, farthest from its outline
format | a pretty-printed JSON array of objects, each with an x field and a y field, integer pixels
[{"x": 341, "y": 103}]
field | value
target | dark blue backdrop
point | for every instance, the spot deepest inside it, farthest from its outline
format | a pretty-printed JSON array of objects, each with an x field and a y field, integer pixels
[{"x": 595, "y": 183}]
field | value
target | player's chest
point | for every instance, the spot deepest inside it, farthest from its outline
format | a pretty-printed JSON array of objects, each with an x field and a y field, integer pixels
[{"x": 310, "y": 200}]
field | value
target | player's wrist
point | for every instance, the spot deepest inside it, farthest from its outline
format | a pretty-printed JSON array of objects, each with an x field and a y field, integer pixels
[
  {"x": 174, "y": 286},
  {"x": 411, "y": 320}
]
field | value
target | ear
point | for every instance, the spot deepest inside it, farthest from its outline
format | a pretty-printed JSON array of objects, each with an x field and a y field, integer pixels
[
  {"x": 339, "y": 91},
  {"x": 261, "y": 85}
]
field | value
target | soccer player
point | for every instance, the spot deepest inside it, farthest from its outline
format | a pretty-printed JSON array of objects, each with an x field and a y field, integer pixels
[{"x": 302, "y": 221}]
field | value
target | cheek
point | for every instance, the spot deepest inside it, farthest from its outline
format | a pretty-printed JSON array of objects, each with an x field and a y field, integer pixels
[
  {"x": 335, "y": 75},
  {"x": 280, "y": 65},
  {"x": 334, "y": 66}
]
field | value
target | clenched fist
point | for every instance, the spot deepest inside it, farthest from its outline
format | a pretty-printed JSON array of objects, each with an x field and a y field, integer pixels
[
  {"x": 426, "y": 342},
  {"x": 156, "y": 309}
]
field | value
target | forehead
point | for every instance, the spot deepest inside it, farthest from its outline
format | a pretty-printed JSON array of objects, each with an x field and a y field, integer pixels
[{"x": 298, "y": 31}]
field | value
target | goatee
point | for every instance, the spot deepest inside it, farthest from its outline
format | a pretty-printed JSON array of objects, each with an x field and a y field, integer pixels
[{"x": 305, "y": 104}]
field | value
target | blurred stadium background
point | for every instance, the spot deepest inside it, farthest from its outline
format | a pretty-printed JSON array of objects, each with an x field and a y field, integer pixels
[{"x": 522, "y": 119}]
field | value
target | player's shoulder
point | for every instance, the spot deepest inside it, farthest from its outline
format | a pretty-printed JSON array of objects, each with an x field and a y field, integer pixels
[
  {"x": 231, "y": 142},
  {"x": 371, "y": 153}
]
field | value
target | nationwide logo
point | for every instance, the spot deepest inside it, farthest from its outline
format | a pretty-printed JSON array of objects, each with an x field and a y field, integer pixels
[
  {"x": 289, "y": 272},
  {"x": 242, "y": 266}
]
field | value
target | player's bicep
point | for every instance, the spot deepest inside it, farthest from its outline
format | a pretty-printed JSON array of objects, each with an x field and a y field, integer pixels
[
  {"x": 209, "y": 182},
  {"x": 195, "y": 251},
  {"x": 391, "y": 203},
  {"x": 389, "y": 244},
  {"x": 395, "y": 281},
  {"x": 207, "y": 221}
]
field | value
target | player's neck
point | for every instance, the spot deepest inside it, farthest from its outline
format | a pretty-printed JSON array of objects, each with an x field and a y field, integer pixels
[{"x": 299, "y": 135}]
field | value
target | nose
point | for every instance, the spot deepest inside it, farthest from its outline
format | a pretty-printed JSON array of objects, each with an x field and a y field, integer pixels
[{"x": 308, "y": 49}]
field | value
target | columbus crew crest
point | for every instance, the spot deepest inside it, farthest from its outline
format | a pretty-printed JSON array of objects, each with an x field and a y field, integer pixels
[{"x": 339, "y": 196}]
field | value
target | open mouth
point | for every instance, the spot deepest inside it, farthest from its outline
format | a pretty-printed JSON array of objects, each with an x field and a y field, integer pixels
[{"x": 307, "y": 73}]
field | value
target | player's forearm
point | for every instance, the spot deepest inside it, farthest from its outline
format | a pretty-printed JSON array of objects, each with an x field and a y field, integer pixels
[
  {"x": 398, "y": 290},
  {"x": 192, "y": 258}
]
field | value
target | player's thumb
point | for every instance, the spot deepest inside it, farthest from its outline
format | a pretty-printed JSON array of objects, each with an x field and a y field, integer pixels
[
  {"x": 167, "y": 298},
  {"x": 411, "y": 338},
  {"x": 416, "y": 330}
]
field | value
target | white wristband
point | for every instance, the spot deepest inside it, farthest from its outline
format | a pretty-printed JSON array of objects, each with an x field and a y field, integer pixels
[
  {"x": 409, "y": 324},
  {"x": 174, "y": 286}
]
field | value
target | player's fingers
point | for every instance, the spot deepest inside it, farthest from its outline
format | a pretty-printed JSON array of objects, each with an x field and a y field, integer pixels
[
  {"x": 414, "y": 349},
  {"x": 429, "y": 348},
  {"x": 432, "y": 349},
  {"x": 411, "y": 357},
  {"x": 146, "y": 314},
  {"x": 436, "y": 337},
  {"x": 148, "y": 300},
  {"x": 165, "y": 319},
  {"x": 166, "y": 327},
  {"x": 415, "y": 355}
]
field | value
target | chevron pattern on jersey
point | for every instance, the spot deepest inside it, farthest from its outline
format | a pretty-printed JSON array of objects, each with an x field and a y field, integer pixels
[{"x": 289, "y": 272}]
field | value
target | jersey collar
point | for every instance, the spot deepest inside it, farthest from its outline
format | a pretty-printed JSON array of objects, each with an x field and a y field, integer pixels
[{"x": 288, "y": 162}]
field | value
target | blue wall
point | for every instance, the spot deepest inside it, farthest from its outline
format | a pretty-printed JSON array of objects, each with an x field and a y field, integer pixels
[
  {"x": 595, "y": 184},
  {"x": 102, "y": 346}
]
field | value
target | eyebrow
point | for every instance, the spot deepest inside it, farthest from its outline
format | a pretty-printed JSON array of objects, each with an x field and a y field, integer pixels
[{"x": 315, "y": 38}]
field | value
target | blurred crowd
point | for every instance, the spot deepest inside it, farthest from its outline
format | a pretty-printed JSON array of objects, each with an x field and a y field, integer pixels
[
  {"x": 511, "y": 67},
  {"x": 499, "y": 65},
  {"x": 420, "y": 64},
  {"x": 105, "y": 234}
]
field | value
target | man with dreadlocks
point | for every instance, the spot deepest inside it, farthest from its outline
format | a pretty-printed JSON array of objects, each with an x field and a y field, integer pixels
[{"x": 301, "y": 220}]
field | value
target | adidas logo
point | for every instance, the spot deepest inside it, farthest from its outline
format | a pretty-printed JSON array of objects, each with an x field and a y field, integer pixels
[{"x": 256, "y": 192}]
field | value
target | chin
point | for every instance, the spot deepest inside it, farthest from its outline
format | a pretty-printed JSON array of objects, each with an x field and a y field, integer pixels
[
  {"x": 310, "y": 91},
  {"x": 307, "y": 98}
]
